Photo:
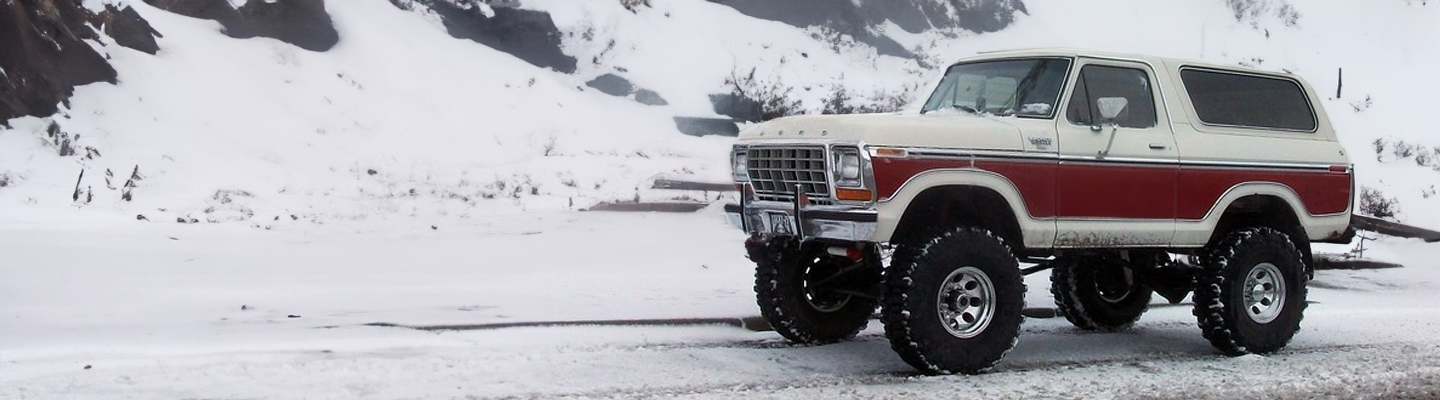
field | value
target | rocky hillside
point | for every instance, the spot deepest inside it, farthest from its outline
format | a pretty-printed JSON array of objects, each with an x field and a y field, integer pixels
[
  {"x": 43, "y": 55},
  {"x": 305, "y": 111}
]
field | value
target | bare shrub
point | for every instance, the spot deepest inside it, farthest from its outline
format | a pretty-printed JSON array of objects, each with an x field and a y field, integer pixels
[
  {"x": 1288, "y": 15},
  {"x": 634, "y": 5},
  {"x": 882, "y": 102},
  {"x": 773, "y": 98},
  {"x": 550, "y": 147},
  {"x": 1403, "y": 150},
  {"x": 838, "y": 42},
  {"x": 1362, "y": 105},
  {"x": 840, "y": 102},
  {"x": 1374, "y": 203},
  {"x": 1423, "y": 156},
  {"x": 1252, "y": 10}
]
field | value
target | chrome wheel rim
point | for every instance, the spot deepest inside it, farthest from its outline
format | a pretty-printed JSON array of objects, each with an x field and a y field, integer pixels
[
  {"x": 966, "y": 302},
  {"x": 1264, "y": 293}
]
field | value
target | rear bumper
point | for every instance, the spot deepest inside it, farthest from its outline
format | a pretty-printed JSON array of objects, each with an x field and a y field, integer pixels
[{"x": 841, "y": 223}]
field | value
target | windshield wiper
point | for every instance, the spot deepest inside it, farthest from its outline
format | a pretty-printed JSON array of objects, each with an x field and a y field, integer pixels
[{"x": 960, "y": 107}]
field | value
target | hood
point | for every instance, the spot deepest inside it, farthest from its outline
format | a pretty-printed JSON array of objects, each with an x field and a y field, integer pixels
[{"x": 961, "y": 131}]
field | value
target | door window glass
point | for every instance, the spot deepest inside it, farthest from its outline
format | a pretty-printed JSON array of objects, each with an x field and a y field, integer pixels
[{"x": 1099, "y": 81}]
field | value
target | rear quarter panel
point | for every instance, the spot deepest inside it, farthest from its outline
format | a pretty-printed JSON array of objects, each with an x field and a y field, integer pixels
[{"x": 1221, "y": 164}]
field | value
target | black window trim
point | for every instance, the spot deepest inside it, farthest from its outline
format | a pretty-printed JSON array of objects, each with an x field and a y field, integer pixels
[
  {"x": 1314, "y": 116},
  {"x": 1158, "y": 102},
  {"x": 1059, "y": 95},
  {"x": 1155, "y": 102}
]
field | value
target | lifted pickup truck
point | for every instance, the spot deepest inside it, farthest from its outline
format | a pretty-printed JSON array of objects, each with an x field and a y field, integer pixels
[{"x": 1128, "y": 175}]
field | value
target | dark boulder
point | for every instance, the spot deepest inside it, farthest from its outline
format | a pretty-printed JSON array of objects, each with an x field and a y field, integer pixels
[
  {"x": 526, "y": 34},
  {"x": 649, "y": 98},
  {"x": 43, "y": 56},
  {"x": 612, "y": 84},
  {"x": 706, "y": 126},
  {"x": 303, "y": 23},
  {"x": 215, "y": 10},
  {"x": 128, "y": 28},
  {"x": 618, "y": 86},
  {"x": 737, "y": 106}
]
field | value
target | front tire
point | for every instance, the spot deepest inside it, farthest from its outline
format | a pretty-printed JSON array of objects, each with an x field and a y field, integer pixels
[
  {"x": 952, "y": 304},
  {"x": 1095, "y": 292},
  {"x": 1250, "y": 293},
  {"x": 786, "y": 277}
]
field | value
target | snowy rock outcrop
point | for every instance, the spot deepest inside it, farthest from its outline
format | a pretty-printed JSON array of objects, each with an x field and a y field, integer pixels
[
  {"x": 862, "y": 19},
  {"x": 527, "y": 34},
  {"x": 128, "y": 28},
  {"x": 43, "y": 56},
  {"x": 303, "y": 23}
]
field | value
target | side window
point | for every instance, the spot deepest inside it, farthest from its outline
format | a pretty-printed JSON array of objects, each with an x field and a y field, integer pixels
[
  {"x": 1098, "y": 81},
  {"x": 1248, "y": 101}
]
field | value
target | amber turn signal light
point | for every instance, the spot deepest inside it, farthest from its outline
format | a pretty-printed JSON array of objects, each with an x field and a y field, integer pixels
[
  {"x": 889, "y": 152},
  {"x": 852, "y": 194}
]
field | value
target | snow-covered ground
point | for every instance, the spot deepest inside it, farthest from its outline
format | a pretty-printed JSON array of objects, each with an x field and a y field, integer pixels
[
  {"x": 202, "y": 311},
  {"x": 481, "y": 161}
]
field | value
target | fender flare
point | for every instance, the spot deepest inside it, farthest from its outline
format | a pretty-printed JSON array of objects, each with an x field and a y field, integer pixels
[{"x": 1197, "y": 232}]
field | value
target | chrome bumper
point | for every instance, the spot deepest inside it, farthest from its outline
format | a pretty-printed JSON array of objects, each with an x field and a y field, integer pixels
[{"x": 812, "y": 222}]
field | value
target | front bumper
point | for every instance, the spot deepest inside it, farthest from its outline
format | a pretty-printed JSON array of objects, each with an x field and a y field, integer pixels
[{"x": 771, "y": 218}]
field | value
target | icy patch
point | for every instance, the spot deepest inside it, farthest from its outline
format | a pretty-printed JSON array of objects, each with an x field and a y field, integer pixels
[{"x": 1249, "y": 358}]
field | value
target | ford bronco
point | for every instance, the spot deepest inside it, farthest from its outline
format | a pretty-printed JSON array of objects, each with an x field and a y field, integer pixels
[{"x": 1126, "y": 175}]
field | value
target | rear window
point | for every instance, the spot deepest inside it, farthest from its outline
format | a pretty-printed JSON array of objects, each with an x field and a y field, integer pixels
[{"x": 1250, "y": 101}]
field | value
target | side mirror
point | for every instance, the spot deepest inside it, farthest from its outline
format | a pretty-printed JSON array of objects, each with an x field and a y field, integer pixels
[{"x": 1111, "y": 107}]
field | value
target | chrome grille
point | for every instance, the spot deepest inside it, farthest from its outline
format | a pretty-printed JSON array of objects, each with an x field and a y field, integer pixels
[{"x": 774, "y": 172}]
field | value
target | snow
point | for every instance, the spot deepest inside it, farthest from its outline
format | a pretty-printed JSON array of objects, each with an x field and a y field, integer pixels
[
  {"x": 157, "y": 317},
  {"x": 482, "y": 161}
]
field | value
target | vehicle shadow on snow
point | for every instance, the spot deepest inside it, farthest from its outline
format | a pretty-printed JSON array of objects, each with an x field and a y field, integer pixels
[
  {"x": 1044, "y": 343},
  {"x": 1055, "y": 343}
]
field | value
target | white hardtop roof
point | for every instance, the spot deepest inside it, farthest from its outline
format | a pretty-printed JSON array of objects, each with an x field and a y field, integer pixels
[{"x": 1068, "y": 52}]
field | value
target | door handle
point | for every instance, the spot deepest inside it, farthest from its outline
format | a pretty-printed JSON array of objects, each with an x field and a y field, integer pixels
[{"x": 1157, "y": 146}]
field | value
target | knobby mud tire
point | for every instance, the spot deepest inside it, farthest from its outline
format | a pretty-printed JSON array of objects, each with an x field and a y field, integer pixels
[
  {"x": 780, "y": 274},
  {"x": 1220, "y": 298},
  {"x": 911, "y": 309},
  {"x": 1075, "y": 283}
]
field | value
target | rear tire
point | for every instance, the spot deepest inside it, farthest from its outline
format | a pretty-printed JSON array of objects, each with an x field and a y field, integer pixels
[
  {"x": 786, "y": 274},
  {"x": 1095, "y": 292},
  {"x": 1250, "y": 293},
  {"x": 952, "y": 304}
]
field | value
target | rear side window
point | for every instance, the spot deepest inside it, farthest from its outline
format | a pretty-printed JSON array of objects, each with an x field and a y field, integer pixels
[{"x": 1249, "y": 101}]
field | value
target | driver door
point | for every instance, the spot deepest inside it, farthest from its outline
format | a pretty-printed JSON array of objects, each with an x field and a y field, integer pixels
[{"x": 1116, "y": 180}]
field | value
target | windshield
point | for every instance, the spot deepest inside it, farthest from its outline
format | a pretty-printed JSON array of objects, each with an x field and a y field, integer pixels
[{"x": 1007, "y": 87}]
